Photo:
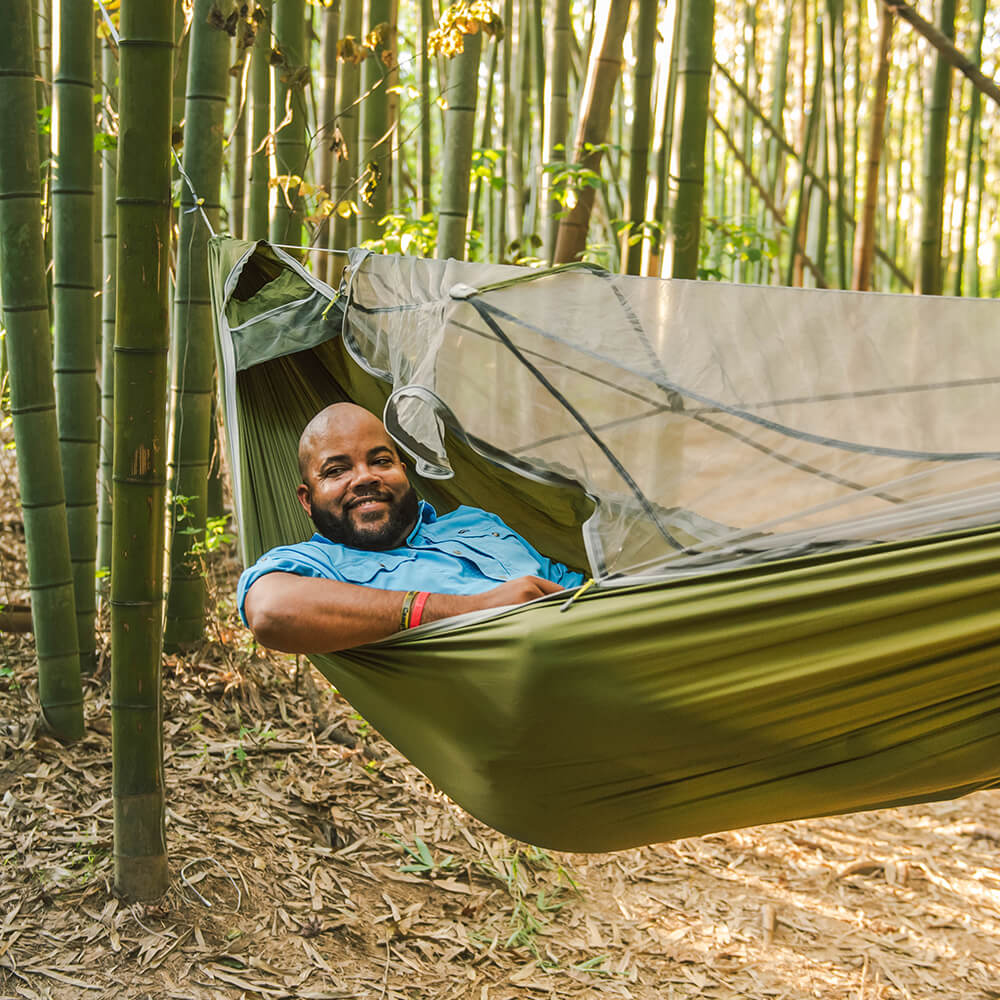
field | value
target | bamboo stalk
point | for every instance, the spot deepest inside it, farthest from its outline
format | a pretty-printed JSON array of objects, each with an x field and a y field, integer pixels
[
  {"x": 141, "y": 338},
  {"x": 375, "y": 138},
  {"x": 500, "y": 236},
  {"x": 486, "y": 139},
  {"x": 603, "y": 72},
  {"x": 659, "y": 201},
  {"x": 74, "y": 317},
  {"x": 323, "y": 263},
  {"x": 557, "y": 119},
  {"x": 291, "y": 79},
  {"x": 24, "y": 299},
  {"x": 237, "y": 159},
  {"x": 975, "y": 113},
  {"x": 930, "y": 278},
  {"x": 638, "y": 177},
  {"x": 460, "y": 122},
  {"x": 798, "y": 229},
  {"x": 345, "y": 225},
  {"x": 258, "y": 207},
  {"x": 694, "y": 76},
  {"x": 109, "y": 175},
  {"x": 193, "y": 377},
  {"x": 424, "y": 134},
  {"x": 864, "y": 247},
  {"x": 836, "y": 133}
]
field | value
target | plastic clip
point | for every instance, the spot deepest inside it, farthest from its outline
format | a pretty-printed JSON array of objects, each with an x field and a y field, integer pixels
[{"x": 579, "y": 592}]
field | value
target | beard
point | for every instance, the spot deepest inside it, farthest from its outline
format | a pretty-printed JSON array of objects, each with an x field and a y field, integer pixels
[{"x": 385, "y": 534}]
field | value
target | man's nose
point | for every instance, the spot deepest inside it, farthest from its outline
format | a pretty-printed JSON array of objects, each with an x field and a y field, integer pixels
[{"x": 364, "y": 475}]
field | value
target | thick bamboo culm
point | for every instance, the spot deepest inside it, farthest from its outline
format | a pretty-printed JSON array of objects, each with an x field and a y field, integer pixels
[
  {"x": 460, "y": 123},
  {"x": 73, "y": 307},
  {"x": 290, "y": 78},
  {"x": 142, "y": 325},
  {"x": 32, "y": 399},
  {"x": 193, "y": 377}
]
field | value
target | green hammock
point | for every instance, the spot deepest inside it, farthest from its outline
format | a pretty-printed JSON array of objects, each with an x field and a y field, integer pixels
[{"x": 788, "y": 501}]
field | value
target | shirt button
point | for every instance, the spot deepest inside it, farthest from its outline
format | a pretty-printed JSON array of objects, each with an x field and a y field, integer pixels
[{"x": 496, "y": 534}]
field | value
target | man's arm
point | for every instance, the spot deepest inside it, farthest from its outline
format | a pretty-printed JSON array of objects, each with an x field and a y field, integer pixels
[{"x": 302, "y": 614}]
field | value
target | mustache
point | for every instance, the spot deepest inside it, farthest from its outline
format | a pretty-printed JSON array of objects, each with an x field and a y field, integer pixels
[{"x": 370, "y": 495}]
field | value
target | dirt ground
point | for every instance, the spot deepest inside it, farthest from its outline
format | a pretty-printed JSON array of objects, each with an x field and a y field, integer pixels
[{"x": 309, "y": 860}]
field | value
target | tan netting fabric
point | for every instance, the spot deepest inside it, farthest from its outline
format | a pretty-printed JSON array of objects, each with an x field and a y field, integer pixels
[{"x": 711, "y": 422}]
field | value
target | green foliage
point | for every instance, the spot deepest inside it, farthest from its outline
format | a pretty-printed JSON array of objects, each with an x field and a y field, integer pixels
[
  {"x": 569, "y": 178},
  {"x": 532, "y": 910},
  {"x": 602, "y": 254},
  {"x": 639, "y": 231},
  {"x": 401, "y": 234},
  {"x": 486, "y": 167},
  {"x": 44, "y": 115},
  {"x": 212, "y": 539},
  {"x": 724, "y": 241},
  {"x": 416, "y": 237},
  {"x": 423, "y": 861}
]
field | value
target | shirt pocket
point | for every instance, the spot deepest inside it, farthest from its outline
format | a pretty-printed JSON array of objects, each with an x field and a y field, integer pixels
[
  {"x": 372, "y": 569},
  {"x": 500, "y": 544}
]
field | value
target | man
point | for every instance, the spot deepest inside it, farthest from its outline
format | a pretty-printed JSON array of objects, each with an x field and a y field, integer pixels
[{"x": 381, "y": 560}]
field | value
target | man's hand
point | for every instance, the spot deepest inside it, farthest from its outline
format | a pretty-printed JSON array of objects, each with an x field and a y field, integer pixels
[{"x": 519, "y": 591}]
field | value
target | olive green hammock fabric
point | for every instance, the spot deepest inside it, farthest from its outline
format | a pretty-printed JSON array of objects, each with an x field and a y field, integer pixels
[{"x": 739, "y": 682}]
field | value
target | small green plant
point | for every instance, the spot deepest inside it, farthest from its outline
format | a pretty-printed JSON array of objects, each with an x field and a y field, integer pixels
[
  {"x": 217, "y": 534},
  {"x": 423, "y": 861},
  {"x": 532, "y": 910}
]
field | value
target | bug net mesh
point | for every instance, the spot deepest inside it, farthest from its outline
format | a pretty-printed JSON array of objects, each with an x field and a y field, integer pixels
[{"x": 711, "y": 424}]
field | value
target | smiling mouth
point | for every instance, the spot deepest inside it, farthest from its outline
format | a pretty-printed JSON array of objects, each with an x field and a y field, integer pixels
[{"x": 368, "y": 503}]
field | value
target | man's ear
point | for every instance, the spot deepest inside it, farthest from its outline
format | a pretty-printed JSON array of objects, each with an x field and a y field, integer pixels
[{"x": 305, "y": 498}]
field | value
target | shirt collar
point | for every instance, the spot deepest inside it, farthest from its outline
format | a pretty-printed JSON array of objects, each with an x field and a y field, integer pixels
[{"x": 426, "y": 514}]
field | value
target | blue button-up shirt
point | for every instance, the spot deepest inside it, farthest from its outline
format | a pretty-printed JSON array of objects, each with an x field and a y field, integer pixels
[{"x": 465, "y": 552}]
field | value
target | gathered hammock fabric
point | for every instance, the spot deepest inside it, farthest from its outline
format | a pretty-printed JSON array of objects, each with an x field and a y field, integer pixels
[{"x": 788, "y": 502}]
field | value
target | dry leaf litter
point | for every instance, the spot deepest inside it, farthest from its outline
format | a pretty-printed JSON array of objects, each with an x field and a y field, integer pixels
[{"x": 309, "y": 860}]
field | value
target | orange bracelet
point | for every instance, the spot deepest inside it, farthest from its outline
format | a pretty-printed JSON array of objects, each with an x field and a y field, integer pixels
[{"x": 417, "y": 611}]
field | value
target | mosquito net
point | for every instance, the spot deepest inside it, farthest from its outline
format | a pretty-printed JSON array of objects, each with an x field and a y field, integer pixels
[{"x": 711, "y": 424}]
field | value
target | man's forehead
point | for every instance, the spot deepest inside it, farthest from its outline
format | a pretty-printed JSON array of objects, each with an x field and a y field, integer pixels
[{"x": 348, "y": 443}]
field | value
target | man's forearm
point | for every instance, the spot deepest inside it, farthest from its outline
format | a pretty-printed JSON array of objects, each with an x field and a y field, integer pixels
[{"x": 298, "y": 614}]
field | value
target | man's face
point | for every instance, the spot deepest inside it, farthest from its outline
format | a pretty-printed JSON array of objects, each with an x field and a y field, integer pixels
[{"x": 356, "y": 491}]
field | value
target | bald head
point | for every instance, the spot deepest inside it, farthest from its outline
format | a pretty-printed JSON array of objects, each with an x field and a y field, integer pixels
[
  {"x": 338, "y": 422},
  {"x": 354, "y": 484}
]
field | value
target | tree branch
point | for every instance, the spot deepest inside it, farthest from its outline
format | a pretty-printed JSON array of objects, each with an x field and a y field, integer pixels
[{"x": 944, "y": 45}]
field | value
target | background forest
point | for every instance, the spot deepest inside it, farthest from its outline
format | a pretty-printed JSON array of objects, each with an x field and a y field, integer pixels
[{"x": 819, "y": 143}]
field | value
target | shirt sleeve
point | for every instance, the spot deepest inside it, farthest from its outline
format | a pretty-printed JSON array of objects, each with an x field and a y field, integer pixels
[{"x": 284, "y": 559}]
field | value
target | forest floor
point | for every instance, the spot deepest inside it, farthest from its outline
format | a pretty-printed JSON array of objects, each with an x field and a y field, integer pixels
[{"x": 309, "y": 860}]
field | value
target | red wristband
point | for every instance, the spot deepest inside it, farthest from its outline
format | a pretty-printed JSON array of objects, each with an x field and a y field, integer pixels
[{"x": 417, "y": 611}]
